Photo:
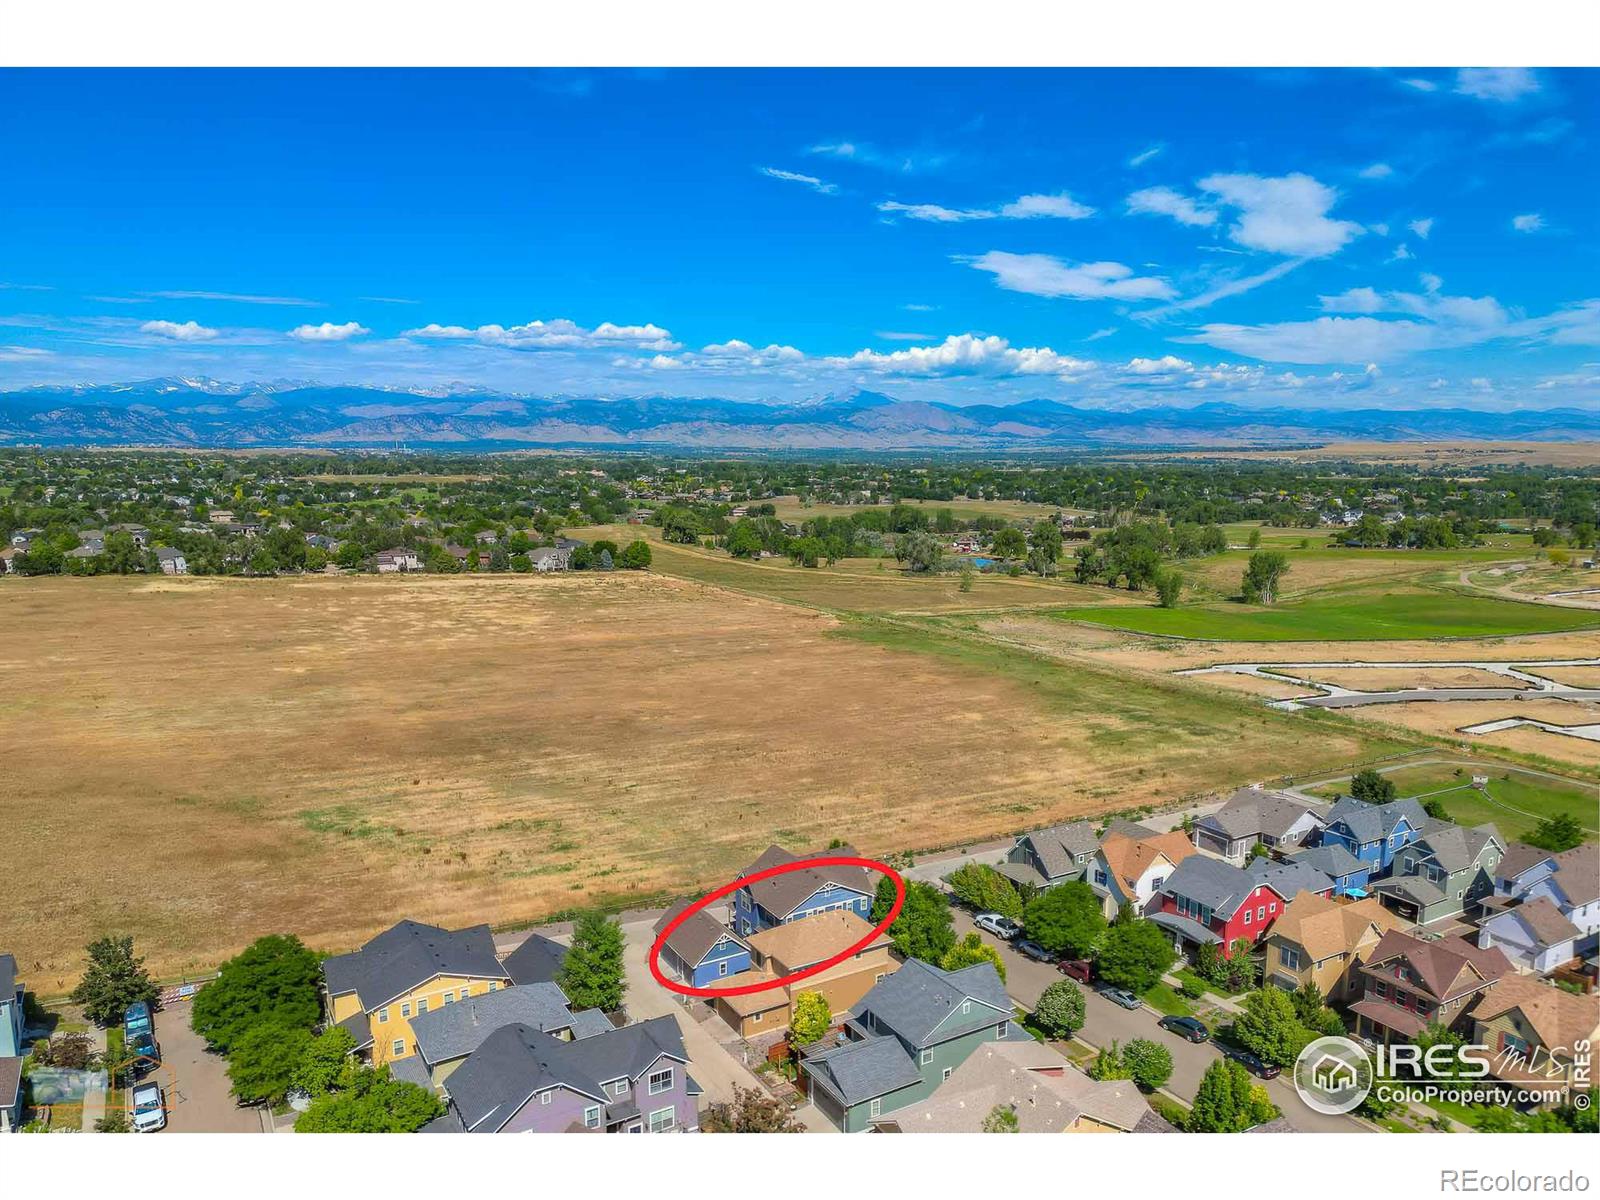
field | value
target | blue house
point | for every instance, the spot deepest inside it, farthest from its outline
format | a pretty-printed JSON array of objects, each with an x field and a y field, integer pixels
[
  {"x": 701, "y": 951},
  {"x": 1350, "y": 874},
  {"x": 796, "y": 894},
  {"x": 1373, "y": 832}
]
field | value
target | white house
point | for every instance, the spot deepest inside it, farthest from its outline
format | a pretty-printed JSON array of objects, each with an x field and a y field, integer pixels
[
  {"x": 172, "y": 561},
  {"x": 1533, "y": 935},
  {"x": 550, "y": 558},
  {"x": 399, "y": 559}
]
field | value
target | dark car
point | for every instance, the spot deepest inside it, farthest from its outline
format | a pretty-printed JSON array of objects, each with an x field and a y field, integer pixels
[
  {"x": 1080, "y": 969},
  {"x": 1185, "y": 1027},
  {"x": 1122, "y": 997},
  {"x": 1034, "y": 951},
  {"x": 1252, "y": 1062}
]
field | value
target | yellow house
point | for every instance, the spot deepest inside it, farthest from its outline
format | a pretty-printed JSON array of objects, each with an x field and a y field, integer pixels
[
  {"x": 402, "y": 973},
  {"x": 785, "y": 949},
  {"x": 1321, "y": 941},
  {"x": 1535, "y": 1032}
]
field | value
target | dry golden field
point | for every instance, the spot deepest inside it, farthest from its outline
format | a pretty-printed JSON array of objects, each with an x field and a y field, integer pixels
[
  {"x": 199, "y": 762},
  {"x": 1428, "y": 454}
]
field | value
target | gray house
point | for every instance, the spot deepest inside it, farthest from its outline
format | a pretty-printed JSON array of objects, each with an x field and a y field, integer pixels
[
  {"x": 1050, "y": 856},
  {"x": 1253, "y": 815},
  {"x": 905, "y": 1038},
  {"x": 537, "y": 960},
  {"x": 446, "y": 1036},
  {"x": 520, "y": 1080},
  {"x": 1444, "y": 873}
]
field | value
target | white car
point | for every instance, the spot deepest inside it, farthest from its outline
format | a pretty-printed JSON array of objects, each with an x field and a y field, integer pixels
[
  {"x": 1002, "y": 927},
  {"x": 147, "y": 1108}
]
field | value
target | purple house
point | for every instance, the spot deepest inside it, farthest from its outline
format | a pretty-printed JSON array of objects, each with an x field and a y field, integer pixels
[{"x": 519, "y": 1080}]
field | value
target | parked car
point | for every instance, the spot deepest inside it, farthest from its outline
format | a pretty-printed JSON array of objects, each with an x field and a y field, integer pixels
[
  {"x": 1080, "y": 969},
  {"x": 1034, "y": 951},
  {"x": 1122, "y": 997},
  {"x": 1186, "y": 1027},
  {"x": 147, "y": 1108},
  {"x": 1252, "y": 1062},
  {"x": 1002, "y": 927},
  {"x": 137, "y": 1020}
]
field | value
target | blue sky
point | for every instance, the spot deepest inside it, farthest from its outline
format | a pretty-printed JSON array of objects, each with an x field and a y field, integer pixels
[{"x": 1391, "y": 238}]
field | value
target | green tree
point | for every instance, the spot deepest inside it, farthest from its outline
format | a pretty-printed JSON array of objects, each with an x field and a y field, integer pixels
[
  {"x": 635, "y": 557},
  {"x": 1149, "y": 1063},
  {"x": 1557, "y": 833},
  {"x": 1169, "y": 588},
  {"x": 985, "y": 889},
  {"x": 1372, "y": 787},
  {"x": 1135, "y": 955},
  {"x": 591, "y": 974},
  {"x": 970, "y": 951},
  {"x": 1263, "y": 574},
  {"x": 1044, "y": 543},
  {"x": 750, "y": 1111},
  {"x": 1110, "y": 1064},
  {"x": 1060, "y": 1010},
  {"x": 744, "y": 541},
  {"x": 263, "y": 1061},
  {"x": 1216, "y": 1107},
  {"x": 919, "y": 551},
  {"x": 806, "y": 552},
  {"x": 678, "y": 525},
  {"x": 371, "y": 1102},
  {"x": 1270, "y": 1027},
  {"x": 1066, "y": 919},
  {"x": 113, "y": 980},
  {"x": 273, "y": 981},
  {"x": 1009, "y": 543},
  {"x": 1255, "y": 539},
  {"x": 1002, "y": 1118},
  {"x": 811, "y": 1020},
  {"x": 923, "y": 928},
  {"x": 325, "y": 1062},
  {"x": 966, "y": 577}
]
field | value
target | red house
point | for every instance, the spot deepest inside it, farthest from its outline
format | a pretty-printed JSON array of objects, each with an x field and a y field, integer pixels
[{"x": 1208, "y": 901}]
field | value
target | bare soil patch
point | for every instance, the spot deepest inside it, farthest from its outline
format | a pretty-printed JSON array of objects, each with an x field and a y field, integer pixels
[
  {"x": 1446, "y": 717},
  {"x": 1383, "y": 679}
]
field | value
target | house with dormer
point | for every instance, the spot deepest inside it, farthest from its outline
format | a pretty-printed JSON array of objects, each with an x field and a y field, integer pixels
[
  {"x": 800, "y": 893},
  {"x": 1373, "y": 833},
  {"x": 906, "y": 1037},
  {"x": 1132, "y": 862},
  {"x": 1050, "y": 856},
  {"x": 1445, "y": 873},
  {"x": 1408, "y": 984},
  {"x": 1254, "y": 816},
  {"x": 702, "y": 951}
]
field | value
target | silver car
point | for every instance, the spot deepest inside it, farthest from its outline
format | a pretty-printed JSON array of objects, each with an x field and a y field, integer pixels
[{"x": 1002, "y": 927}]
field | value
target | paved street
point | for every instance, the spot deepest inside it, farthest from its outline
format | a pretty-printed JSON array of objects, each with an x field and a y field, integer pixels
[
  {"x": 196, "y": 1081},
  {"x": 1105, "y": 1022}
]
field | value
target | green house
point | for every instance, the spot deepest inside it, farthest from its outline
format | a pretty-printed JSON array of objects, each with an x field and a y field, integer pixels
[{"x": 904, "y": 1039}]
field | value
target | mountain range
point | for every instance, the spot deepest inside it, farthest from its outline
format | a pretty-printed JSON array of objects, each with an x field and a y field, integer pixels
[{"x": 205, "y": 413}]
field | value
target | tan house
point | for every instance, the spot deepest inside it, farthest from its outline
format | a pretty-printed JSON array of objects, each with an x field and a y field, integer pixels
[
  {"x": 1132, "y": 864},
  {"x": 1532, "y": 1029},
  {"x": 786, "y": 949},
  {"x": 1321, "y": 941}
]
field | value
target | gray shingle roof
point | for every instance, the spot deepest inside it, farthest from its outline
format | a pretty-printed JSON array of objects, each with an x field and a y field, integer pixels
[
  {"x": 860, "y": 1071},
  {"x": 1219, "y": 886},
  {"x": 1456, "y": 848},
  {"x": 411, "y": 1070},
  {"x": 1545, "y": 921},
  {"x": 693, "y": 940},
  {"x": 456, "y": 1030},
  {"x": 1058, "y": 846},
  {"x": 515, "y": 1062},
  {"x": 1332, "y": 860},
  {"x": 921, "y": 1003},
  {"x": 587, "y": 1022},
  {"x": 782, "y": 894},
  {"x": 1289, "y": 879},
  {"x": 1373, "y": 822},
  {"x": 1520, "y": 857},
  {"x": 537, "y": 960},
  {"x": 1578, "y": 874},
  {"x": 1190, "y": 929},
  {"x": 10, "y": 1081},
  {"x": 359, "y": 1028},
  {"x": 1251, "y": 812},
  {"x": 408, "y": 954},
  {"x": 8, "y": 977}
]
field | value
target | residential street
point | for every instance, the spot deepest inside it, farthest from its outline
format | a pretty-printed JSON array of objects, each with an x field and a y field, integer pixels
[
  {"x": 1105, "y": 1022},
  {"x": 199, "y": 1099}
]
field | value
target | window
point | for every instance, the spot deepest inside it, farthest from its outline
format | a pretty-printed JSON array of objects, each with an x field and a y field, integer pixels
[
  {"x": 722, "y": 967},
  {"x": 493, "y": 986},
  {"x": 875, "y": 1108},
  {"x": 1380, "y": 987},
  {"x": 755, "y": 1018},
  {"x": 1100, "y": 877},
  {"x": 925, "y": 1058},
  {"x": 1247, "y": 916},
  {"x": 1273, "y": 907},
  {"x": 878, "y": 978},
  {"x": 619, "y": 1087},
  {"x": 1155, "y": 884},
  {"x": 449, "y": 997},
  {"x": 966, "y": 1007},
  {"x": 660, "y": 1081},
  {"x": 1261, "y": 912},
  {"x": 383, "y": 1016},
  {"x": 422, "y": 1007},
  {"x": 405, "y": 1009},
  {"x": 591, "y": 1117},
  {"x": 1002, "y": 1029},
  {"x": 945, "y": 1074},
  {"x": 1289, "y": 957},
  {"x": 661, "y": 1120},
  {"x": 1510, "y": 1041},
  {"x": 546, "y": 1096},
  {"x": 398, "y": 1049}
]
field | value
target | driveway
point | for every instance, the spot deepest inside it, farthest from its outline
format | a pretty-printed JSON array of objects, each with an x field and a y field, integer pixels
[
  {"x": 196, "y": 1081},
  {"x": 1105, "y": 1022}
]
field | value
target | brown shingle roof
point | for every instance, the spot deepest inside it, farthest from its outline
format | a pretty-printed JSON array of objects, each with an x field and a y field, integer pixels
[
  {"x": 1324, "y": 928},
  {"x": 810, "y": 940},
  {"x": 1561, "y": 1019},
  {"x": 1446, "y": 968},
  {"x": 1545, "y": 920},
  {"x": 782, "y": 894},
  {"x": 695, "y": 937},
  {"x": 1129, "y": 857}
]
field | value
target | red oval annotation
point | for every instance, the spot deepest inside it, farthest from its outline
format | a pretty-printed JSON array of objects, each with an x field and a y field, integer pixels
[{"x": 750, "y": 989}]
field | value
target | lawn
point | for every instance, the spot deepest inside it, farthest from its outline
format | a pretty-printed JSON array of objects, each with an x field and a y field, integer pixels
[
  {"x": 1165, "y": 1000},
  {"x": 1364, "y": 615},
  {"x": 1515, "y": 803}
]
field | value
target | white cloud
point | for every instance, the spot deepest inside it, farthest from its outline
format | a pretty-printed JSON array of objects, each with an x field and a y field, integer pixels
[
  {"x": 918, "y": 307},
  {"x": 328, "y": 332},
  {"x": 811, "y": 181},
  {"x": 1527, "y": 223},
  {"x": 890, "y": 335},
  {"x": 903, "y": 161},
  {"x": 1401, "y": 253},
  {"x": 965, "y": 354},
  {"x": 1234, "y": 286},
  {"x": 559, "y": 334},
  {"x": 1378, "y": 170},
  {"x": 1101, "y": 333},
  {"x": 1421, "y": 85},
  {"x": 237, "y": 298},
  {"x": 1504, "y": 85},
  {"x": 1024, "y": 208},
  {"x": 1422, "y": 227},
  {"x": 1144, "y": 156},
  {"x": 1356, "y": 300},
  {"x": 1163, "y": 201},
  {"x": 1167, "y": 364},
  {"x": 1043, "y": 275},
  {"x": 734, "y": 350},
  {"x": 188, "y": 331},
  {"x": 1285, "y": 214}
]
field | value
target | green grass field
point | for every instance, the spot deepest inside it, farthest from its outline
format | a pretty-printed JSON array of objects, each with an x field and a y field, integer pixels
[
  {"x": 1515, "y": 803},
  {"x": 1364, "y": 615}
]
